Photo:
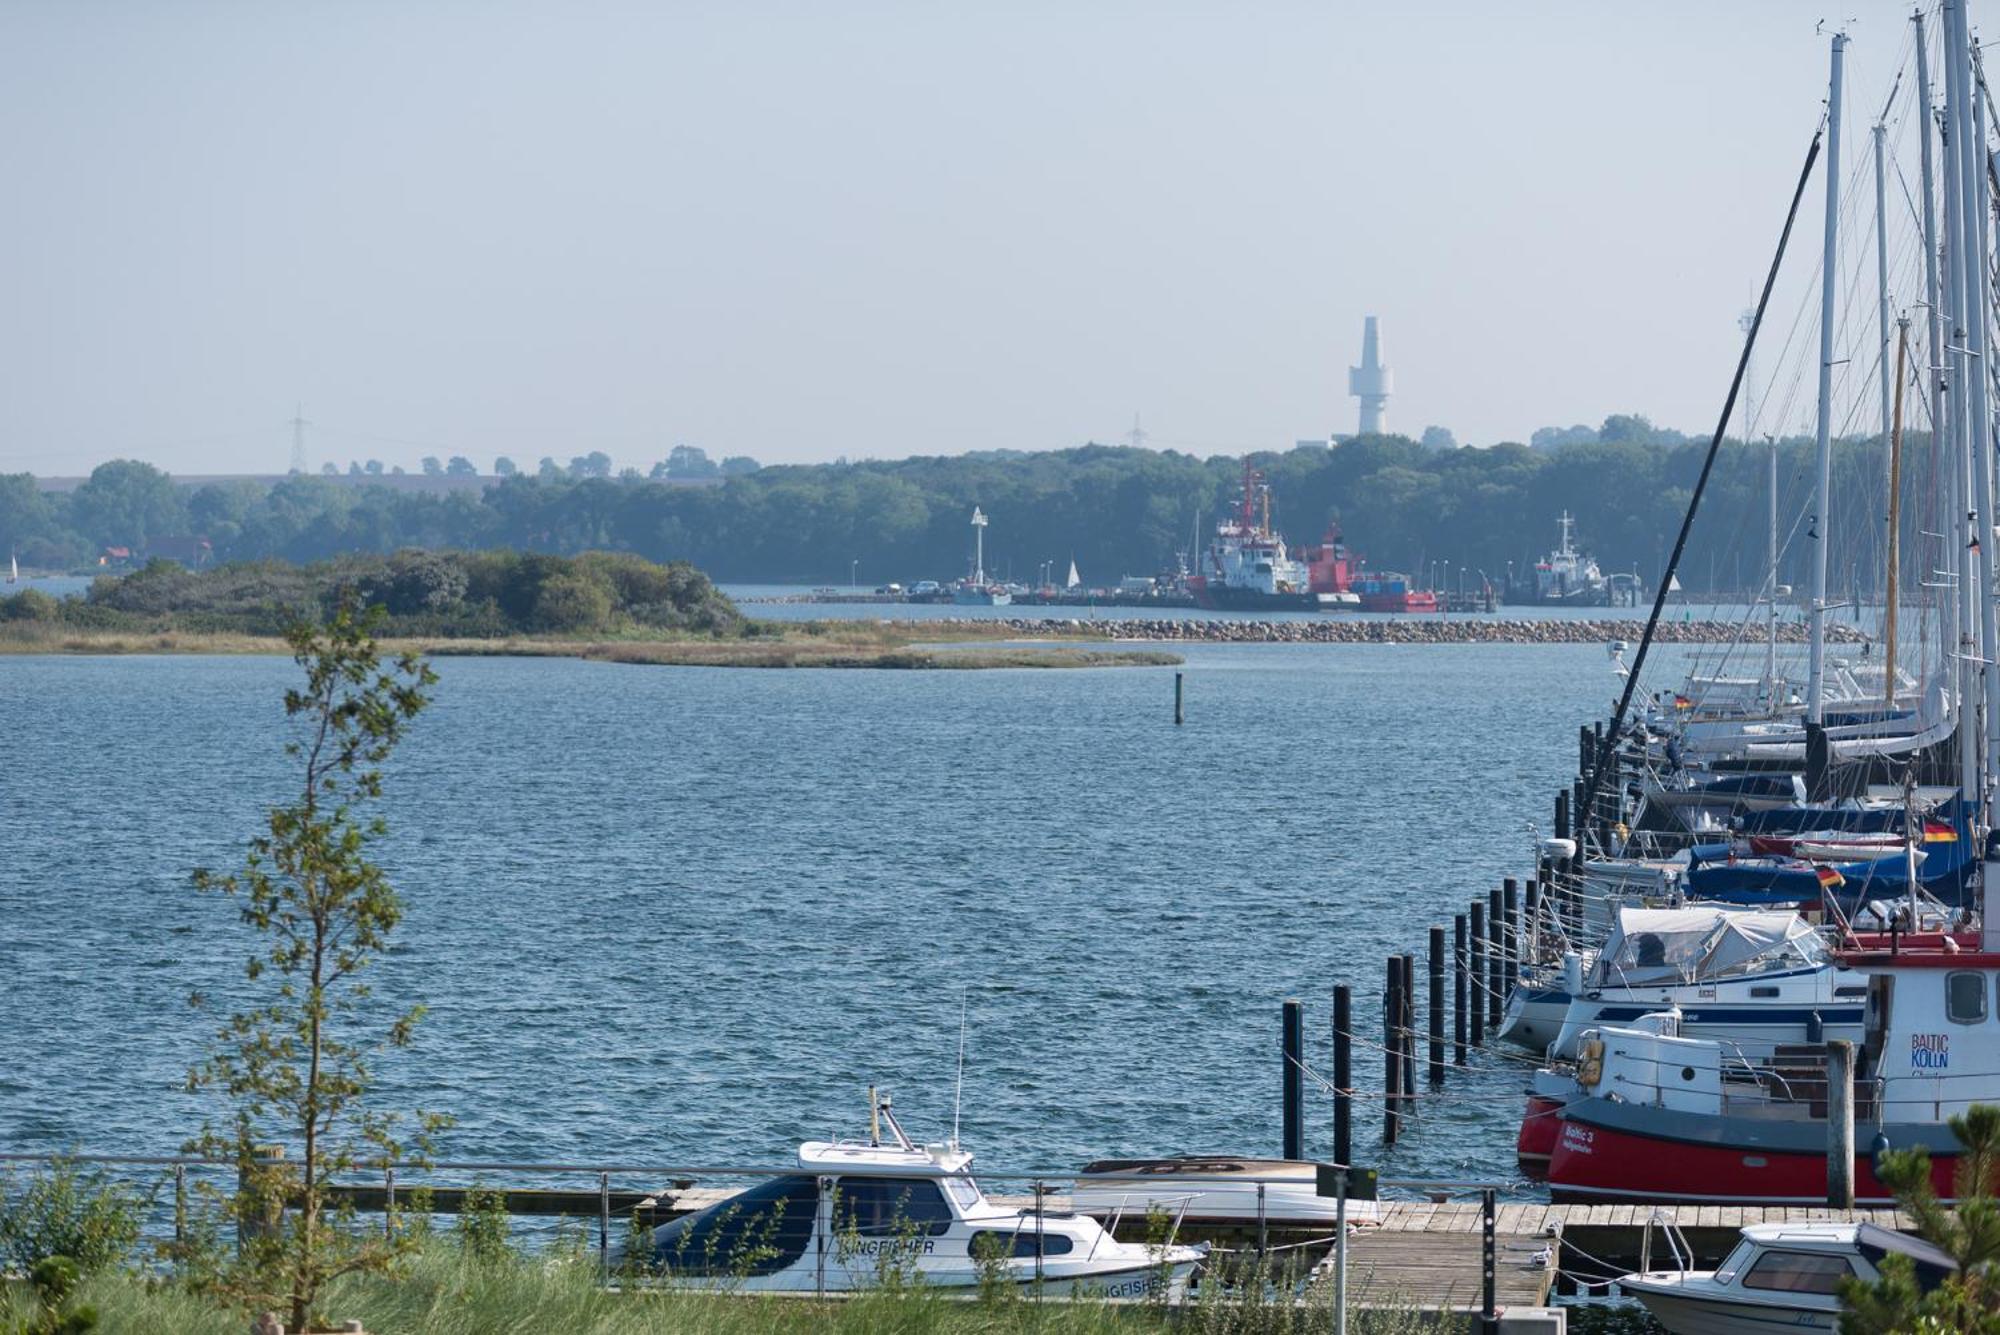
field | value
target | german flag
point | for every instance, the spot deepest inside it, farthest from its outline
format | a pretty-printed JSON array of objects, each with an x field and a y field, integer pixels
[
  {"x": 1937, "y": 832},
  {"x": 1829, "y": 878}
]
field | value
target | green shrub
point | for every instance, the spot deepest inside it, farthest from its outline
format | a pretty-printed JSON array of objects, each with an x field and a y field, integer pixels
[
  {"x": 63, "y": 1211},
  {"x": 29, "y": 605}
]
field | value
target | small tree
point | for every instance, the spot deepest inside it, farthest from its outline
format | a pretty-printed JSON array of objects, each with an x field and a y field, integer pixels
[
  {"x": 296, "y": 1064},
  {"x": 1969, "y": 1300}
]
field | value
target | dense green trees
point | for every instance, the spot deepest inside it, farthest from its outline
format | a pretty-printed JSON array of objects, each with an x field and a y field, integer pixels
[
  {"x": 1115, "y": 510},
  {"x": 489, "y": 593}
]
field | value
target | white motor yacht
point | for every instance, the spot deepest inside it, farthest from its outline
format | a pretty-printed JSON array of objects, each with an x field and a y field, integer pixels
[
  {"x": 1779, "y": 1276},
  {"x": 857, "y": 1213}
]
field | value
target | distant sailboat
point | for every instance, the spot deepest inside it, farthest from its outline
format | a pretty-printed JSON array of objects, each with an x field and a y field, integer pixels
[
  {"x": 1075, "y": 580},
  {"x": 14, "y": 569}
]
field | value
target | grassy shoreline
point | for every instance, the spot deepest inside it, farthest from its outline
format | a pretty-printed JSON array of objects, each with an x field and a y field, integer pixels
[{"x": 773, "y": 645}]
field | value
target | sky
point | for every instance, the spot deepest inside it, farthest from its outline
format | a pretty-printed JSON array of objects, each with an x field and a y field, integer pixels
[{"x": 805, "y": 231}]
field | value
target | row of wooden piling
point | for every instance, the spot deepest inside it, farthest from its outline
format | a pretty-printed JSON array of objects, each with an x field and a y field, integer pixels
[{"x": 1486, "y": 940}]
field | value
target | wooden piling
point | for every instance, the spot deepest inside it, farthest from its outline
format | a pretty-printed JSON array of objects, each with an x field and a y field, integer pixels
[
  {"x": 1177, "y": 698},
  {"x": 1409, "y": 1032},
  {"x": 1496, "y": 961},
  {"x": 1343, "y": 1074},
  {"x": 1840, "y": 1124},
  {"x": 1477, "y": 973},
  {"x": 1562, "y": 814},
  {"x": 1461, "y": 962},
  {"x": 260, "y": 1210},
  {"x": 1392, "y": 1052},
  {"x": 1510, "y": 935},
  {"x": 1293, "y": 1043},
  {"x": 1437, "y": 1006}
]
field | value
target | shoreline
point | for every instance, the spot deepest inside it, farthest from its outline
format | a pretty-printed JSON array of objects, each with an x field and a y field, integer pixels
[{"x": 1413, "y": 630}]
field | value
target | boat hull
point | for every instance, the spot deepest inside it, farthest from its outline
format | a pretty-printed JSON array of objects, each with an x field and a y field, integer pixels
[
  {"x": 1540, "y": 1125},
  {"x": 1608, "y": 1151},
  {"x": 1681, "y": 1307}
]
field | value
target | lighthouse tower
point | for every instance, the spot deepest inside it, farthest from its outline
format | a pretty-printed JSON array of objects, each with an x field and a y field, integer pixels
[{"x": 1371, "y": 382}]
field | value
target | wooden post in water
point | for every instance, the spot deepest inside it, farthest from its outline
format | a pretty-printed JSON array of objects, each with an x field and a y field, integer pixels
[
  {"x": 260, "y": 1214},
  {"x": 1585, "y": 751},
  {"x": 1478, "y": 972},
  {"x": 1562, "y": 814},
  {"x": 1392, "y": 1051},
  {"x": 1437, "y": 1006},
  {"x": 1294, "y": 1045},
  {"x": 1409, "y": 1028},
  {"x": 1510, "y": 934},
  {"x": 1461, "y": 962},
  {"x": 1177, "y": 698},
  {"x": 1840, "y": 1124},
  {"x": 1343, "y": 1074},
  {"x": 1496, "y": 961}
]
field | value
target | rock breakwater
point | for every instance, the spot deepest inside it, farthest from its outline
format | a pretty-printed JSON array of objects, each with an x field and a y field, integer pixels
[{"x": 1412, "y": 630}]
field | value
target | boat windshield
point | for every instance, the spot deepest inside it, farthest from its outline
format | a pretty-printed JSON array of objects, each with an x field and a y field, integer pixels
[{"x": 756, "y": 1232}]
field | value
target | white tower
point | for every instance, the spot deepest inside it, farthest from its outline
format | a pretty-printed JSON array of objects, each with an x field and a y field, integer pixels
[
  {"x": 979, "y": 538},
  {"x": 1371, "y": 382}
]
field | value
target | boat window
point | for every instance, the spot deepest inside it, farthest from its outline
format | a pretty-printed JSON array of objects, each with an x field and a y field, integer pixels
[
  {"x": 889, "y": 1206},
  {"x": 758, "y": 1232},
  {"x": 1965, "y": 997},
  {"x": 1735, "y": 1261},
  {"x": 1797, "y": 1272},
  {"x": 991, "y": 1244},
  {"x": 963, "y": 1191}
]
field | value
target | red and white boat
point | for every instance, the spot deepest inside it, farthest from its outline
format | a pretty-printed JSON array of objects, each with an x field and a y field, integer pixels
[{"x": 1666, "y": 1118}]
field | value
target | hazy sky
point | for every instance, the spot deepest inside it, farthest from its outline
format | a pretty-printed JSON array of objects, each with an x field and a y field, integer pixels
[{"x": 802, "y": 231}]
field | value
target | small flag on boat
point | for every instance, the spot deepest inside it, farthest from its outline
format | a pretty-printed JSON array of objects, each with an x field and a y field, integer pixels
[
  {"x": 1682, "y": 702},
  {"x": 1936, "y": 832},
  {"x": 1829, "y": 878}
]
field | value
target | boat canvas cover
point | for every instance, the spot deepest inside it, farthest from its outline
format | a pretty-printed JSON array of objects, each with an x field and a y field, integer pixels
[{"x": 1649, "y": 946}]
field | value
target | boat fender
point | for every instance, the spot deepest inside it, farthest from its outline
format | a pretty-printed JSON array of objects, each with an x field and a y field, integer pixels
[
  {"x": 1876, "y": 1149},
  {"x": 1590, "y": 1062}
]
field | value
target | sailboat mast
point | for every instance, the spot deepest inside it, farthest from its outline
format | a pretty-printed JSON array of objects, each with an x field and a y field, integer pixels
[
  {"x": 1881, "y": 134},
  {"x": 1935, "y": 370},
  {"x": 1771, "y": 586},
  {"x": 1979, "y": 218},
  {"x": 1829, "y": 274},
  {"x": 1967, "y": 124},
  {"x": 1959, "y": 533},
  {"x": 1891, "y": 596}
]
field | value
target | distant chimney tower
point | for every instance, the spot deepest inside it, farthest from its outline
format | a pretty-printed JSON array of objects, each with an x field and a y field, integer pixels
[{"x": 1371, "y": 382}]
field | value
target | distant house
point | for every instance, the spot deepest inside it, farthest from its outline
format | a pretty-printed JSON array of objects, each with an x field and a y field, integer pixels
[
  {"x": 115, "y": 556},
  {"x": 194, "y": 552}
]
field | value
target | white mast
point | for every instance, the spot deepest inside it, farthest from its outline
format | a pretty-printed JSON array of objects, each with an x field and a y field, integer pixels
[
  {"x": 1882, "y": 277},
  {"x": 979, "y": 547},
  {"x": 1979, "y": 218},
  {"x": 1970, "y": 299},
  {"x": 1771, "y": 586},
  {"x": 1829, "y": 271},
  {"x": 1938, "y": 374},
  {"x": 1953, "y": 371}
]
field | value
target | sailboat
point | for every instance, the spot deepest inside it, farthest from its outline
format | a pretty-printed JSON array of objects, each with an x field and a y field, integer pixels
[
  {"x": 1075, "y": 580},
  {"x": 13, "y": 569}
]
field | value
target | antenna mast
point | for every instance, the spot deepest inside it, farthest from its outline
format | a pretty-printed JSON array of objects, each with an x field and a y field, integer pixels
[
  {"x": 958, "y": 1090},
  {"x": 299, "y": 425}
]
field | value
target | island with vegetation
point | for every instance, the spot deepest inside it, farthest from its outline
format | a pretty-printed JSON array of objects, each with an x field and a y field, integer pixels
[{"x": 610, "y": 606}]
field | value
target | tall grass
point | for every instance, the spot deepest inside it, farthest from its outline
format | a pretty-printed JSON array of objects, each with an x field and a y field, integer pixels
[{"x": 448, "y": 1289}]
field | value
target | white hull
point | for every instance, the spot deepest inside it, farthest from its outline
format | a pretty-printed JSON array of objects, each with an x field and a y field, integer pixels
[
  {"x": 1059, "y": 1278},
  {"x": 1689, "y": 1307}
]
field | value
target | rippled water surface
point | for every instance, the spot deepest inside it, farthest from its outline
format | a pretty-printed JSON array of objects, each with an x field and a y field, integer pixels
[{"x": 688, "y": 914}]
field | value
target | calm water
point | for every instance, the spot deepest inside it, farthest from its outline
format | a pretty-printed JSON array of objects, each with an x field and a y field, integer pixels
[{"x": 688, "y": 914}]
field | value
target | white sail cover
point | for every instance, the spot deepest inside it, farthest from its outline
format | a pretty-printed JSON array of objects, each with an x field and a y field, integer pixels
[{"x": 1655, "y": 946}]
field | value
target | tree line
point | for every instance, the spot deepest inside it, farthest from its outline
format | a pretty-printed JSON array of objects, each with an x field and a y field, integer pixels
[{"x": 1114, "y": 510}]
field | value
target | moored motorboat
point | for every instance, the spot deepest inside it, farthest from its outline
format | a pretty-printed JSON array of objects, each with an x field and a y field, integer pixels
[
  {"x": 1779, "y": 1276},
  {"x": 1223, "y": 1190},
  {"x": 857, "y": 1212}
]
